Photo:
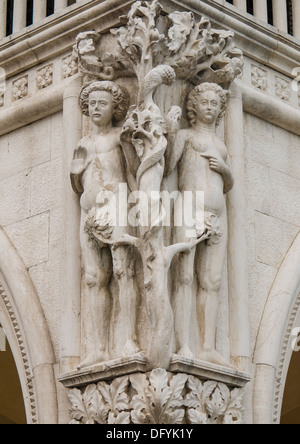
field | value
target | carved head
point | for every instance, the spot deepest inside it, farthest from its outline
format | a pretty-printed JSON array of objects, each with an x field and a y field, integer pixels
[
  {"x": 206, "y": 103},
  {"x": 105, "y": 100}
]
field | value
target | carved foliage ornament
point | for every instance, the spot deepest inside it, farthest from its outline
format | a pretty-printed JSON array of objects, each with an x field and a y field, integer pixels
[
  {"x": 196, "y": 51},
  {"x": 157, "y": 398}
]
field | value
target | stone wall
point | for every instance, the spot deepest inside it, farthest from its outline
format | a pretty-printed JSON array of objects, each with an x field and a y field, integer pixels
[
  {"x": 273, "y": 210},
  {"x": 31, "y": 207}
]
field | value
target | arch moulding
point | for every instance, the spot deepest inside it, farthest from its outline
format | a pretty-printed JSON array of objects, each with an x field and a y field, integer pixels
[
  {"x": 273, "y": 347},
  {"x": 23, "y": 319}
]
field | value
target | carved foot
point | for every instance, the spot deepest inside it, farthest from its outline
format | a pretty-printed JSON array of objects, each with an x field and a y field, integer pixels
[
  {"x": 94, "y": 358},
  {"x": 130, "y": 349},
  {"x": 186, "y": 352},
  {"x": 215, "y": 358}
]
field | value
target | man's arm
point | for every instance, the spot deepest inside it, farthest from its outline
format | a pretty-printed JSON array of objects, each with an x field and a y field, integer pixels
[{"x": 78, "y": 167}]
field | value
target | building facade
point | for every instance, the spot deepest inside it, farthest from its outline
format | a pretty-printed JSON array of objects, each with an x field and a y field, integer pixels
[{"x": 42, "y": 71}]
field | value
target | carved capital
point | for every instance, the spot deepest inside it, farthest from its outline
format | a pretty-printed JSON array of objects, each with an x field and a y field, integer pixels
[{"x": 158, "y": 397}]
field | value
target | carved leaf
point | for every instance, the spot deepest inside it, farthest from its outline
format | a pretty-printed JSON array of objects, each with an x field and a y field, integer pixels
[
  {"x": 82, "y": 409},
  {"x": 235, "y": 410},
  {"x": 114, "y": 394},
  {"x": 121, "y": 418},
  {"x": 158, "y": 401},
  {"x": 217, "y": 404},
  {"x": 199, "y": 53},
  {"x": 196, "y": 417},
  {"x": 177, "y": 385},
  {"x": 182, "y": 25},
  {"x": 141, "y": 404},
  {"x": 100, "y": 410},
  {"x": 194, "y": 398},
  {"x": 78, "y": 411}
]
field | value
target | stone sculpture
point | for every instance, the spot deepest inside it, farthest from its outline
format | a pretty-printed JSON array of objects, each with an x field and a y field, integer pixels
[
  {"x": 96, "y": 171},
  {"x": 134, "y": 293},
  {"x": 203, "y": 165}
]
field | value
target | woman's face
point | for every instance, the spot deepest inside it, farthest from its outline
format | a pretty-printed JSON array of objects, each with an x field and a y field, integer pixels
[
  {"x": 101, "y": 108},
  {"x": 208, "y": 107}
]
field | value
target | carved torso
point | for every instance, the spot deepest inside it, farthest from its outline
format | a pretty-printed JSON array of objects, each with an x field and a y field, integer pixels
[
  {"x": 104, "y": 169},
  {"x": 195, "y": 173}
]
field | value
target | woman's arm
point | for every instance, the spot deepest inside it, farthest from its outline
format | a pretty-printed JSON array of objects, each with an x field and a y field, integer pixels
[{"x": 222, "y": 167}]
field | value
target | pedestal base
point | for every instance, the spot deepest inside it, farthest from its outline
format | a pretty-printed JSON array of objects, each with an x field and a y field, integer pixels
[
  {"x": 104, "y": 371},
  {"x": 123, "y": 392}
]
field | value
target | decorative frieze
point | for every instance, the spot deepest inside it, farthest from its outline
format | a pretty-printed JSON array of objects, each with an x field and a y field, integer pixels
[
  {"x": 44, "y": 77},
  {"x": 259, "y": 77},
  {"x": 20, "y": 88},
  {"x": 283, "y": 89},
  {"x": 69, "y": 66}
]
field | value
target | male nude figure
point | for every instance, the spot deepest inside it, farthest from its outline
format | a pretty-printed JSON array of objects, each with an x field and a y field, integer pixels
[
  {"x": 98, "y": 167},
  {"x": 203, "y": 165}
]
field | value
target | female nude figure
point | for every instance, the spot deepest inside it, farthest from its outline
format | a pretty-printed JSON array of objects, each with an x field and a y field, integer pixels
[{"x": 203, "y": 165}]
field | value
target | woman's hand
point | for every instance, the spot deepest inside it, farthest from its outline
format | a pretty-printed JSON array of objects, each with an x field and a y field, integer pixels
[{"x": 216, "y": 164}]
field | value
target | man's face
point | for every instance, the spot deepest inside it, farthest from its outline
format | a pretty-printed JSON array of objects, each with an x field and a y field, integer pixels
[
  {"x": 208, "y": 107},
  {"x": 101, "y": 108}
]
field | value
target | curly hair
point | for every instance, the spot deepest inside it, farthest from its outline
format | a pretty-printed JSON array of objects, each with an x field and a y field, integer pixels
[
  {"x": 197, "y": 93},
  {"x": 120, "y": 97}
]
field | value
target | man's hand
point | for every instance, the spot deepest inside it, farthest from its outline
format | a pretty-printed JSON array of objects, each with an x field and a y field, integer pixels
[{"x": 78, "y": 163}]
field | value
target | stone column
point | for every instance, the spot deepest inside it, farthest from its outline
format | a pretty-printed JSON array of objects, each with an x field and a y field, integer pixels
[
  {"x": 296, "y": 18},
  {"x": 60, "y": 4},
  {"x": 19, "y": 19},
  {"x": 39, "y": 10},
  {"x": 237, "y": 244},
  {"x": 71, "y": 268},
  {"x": 261, "y": 9},
  {"x": 3, "y": 12},
  {"x": 280, "y": 15},
  {"x": 241, "y": 4}
]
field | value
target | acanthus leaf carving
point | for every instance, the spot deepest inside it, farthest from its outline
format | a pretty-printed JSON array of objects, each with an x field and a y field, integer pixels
[
  {"x": 101, "y": 404},
  {"x": 213, "y": 403},
  {"x": 158, "y": 397}
]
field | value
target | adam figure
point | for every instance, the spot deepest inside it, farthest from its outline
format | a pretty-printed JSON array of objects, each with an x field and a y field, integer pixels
[
  {"x": 203, "y": 165},
  {"x": 97, "y": 167}
]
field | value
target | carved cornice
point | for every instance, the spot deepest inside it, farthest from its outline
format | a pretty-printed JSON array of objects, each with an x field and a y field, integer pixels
[{"x": 56, "y": 35}]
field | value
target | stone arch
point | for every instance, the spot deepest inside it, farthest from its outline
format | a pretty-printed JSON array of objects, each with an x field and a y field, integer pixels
[
  {"x": 273, "y": 349},
  {"x": 22, "y": 317}
]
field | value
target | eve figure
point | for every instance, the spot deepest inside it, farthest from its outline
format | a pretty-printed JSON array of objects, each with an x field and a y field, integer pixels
[
  {"x": 96, "y": 172},
  {"x": 203, "y": 165}
]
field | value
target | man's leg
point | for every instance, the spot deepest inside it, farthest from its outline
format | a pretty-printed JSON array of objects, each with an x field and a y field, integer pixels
[{"x": 123, "y": 267}]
